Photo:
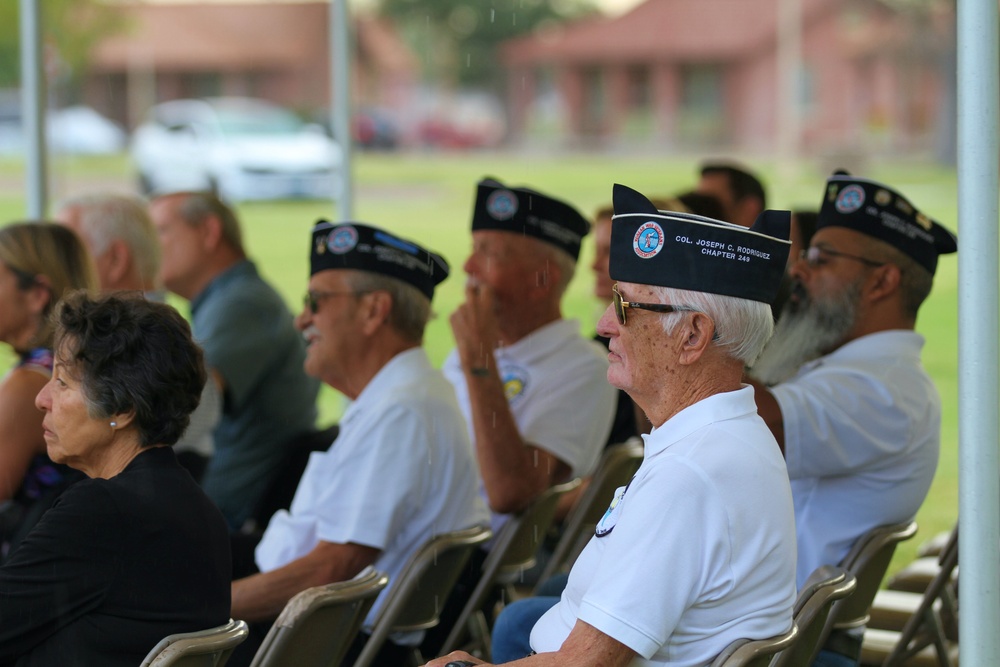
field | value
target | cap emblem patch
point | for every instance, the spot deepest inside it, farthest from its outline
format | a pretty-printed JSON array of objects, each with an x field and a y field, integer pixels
[
  {"x": 648, "y": 240},
  {"x": 502, "y": 205},
  {"x": 850, "y": 199},
  {"x": 342, "y": 239}
]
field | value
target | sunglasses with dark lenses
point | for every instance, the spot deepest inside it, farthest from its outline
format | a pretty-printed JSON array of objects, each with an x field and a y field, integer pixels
[
  {"x": 621, "y": 305},
  {"x": 313, "y": 299}
]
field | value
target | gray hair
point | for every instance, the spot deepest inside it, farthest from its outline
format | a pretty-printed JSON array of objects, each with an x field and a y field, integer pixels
[
  {"x": 411, "y": 309},
  {"x": 915, "y": 281},
  {"x": 105, "y": 218},
  {"x": 742, "y": 326}
]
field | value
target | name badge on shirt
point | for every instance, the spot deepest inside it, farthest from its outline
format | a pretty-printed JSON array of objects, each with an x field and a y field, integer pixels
[{"x": 610, "y": 518}]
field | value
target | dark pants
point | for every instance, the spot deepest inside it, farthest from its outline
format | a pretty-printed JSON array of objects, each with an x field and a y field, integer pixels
[{"x": 453, "y": 606}]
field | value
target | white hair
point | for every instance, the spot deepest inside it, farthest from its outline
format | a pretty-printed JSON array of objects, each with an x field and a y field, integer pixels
[
  {"x": 105, "y": 218},
  {"x": 742, "y": 326}
]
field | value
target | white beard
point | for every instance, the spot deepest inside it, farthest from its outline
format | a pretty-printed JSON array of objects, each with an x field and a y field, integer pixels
[{"x": 806, "y": 330}]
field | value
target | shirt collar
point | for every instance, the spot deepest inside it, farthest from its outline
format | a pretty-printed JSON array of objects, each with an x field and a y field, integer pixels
[
  {"x": 875, "y": 347},
  {"x": 241, "y": 269},
  {"x": 715, "y": 408},
  {"x": 404, "y": 366},
  {"x": 541, "y": 342}
]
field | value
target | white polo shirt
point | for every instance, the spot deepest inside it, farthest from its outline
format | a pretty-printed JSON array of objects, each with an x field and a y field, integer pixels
[
  {"x": 401, "y": 471},
  {"x": 697, "y": 550},
  {"x": 557, "y": 387},
  {"x": 862, "y": 433}
]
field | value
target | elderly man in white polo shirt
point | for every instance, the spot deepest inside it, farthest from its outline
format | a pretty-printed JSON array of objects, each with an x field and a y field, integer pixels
[{"x": 698, "y": 549}]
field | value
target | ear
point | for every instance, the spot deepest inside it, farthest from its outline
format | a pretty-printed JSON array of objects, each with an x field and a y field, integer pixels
[
  {"x": 749, "y": 209},
  {"x": 696, "y": 333},
  {"x": 40, "y": 295},
  {"x": 118, "y": 260},
  {"x": 122, "y": 420},
  {"x": 212, "y": 232},
  {"x": 374, "y": 308},
  {"x": 883, "y": 282},
  {"x": 548, "y": 277}
]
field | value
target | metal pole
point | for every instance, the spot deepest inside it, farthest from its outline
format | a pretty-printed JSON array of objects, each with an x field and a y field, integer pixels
[
  {"x": 340, "y": 102},
  {"x": 789, "y": 57},
  {"x": 33, "y": 106},
  {"x": 979, "y": 465}
]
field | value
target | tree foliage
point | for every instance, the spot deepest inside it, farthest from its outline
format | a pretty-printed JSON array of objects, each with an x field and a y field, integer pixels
[
  {"x": 457, "y": 40},
  {"x": 70, "y": 29}
]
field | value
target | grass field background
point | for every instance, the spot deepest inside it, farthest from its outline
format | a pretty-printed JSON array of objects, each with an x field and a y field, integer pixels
[{"x": 429, "y": 197}]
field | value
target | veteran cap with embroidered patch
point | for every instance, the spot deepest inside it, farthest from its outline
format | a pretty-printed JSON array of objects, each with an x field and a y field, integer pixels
[
  {"x": 527, "y": 212},
  {"x": 692, "y": 252},
  {"x": 878, "y": 211},
  {"x": 357, "y": 246}
]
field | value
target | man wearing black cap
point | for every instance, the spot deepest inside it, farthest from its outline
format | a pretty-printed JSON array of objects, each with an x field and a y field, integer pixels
[
  {"x": 854, "y": 411},
  {"x": 402, "y": 468},
  {"x": 695, "y": 552},
  {"x": 531, "y": 388}
]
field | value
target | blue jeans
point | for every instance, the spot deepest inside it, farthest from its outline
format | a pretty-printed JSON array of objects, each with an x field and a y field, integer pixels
[
  {"x": 831, "y": 659},
  {"x": 512, "y": 629}
]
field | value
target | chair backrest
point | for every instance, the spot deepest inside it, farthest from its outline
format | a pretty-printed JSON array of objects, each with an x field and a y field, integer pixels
[
  {"x": 867, "y": 560},
  {"x": 205, "y": 648},
  {"x": 754, "y": 653},
  {"x": 512, "y": 552},
  {"x": 617, "y": 466},
  {"x": 281, "y": 489},
  {"x": 415, "y": 599},
  {"x": 317, "y": 626},
  {"x": 925, "y": 626},
  {"x": 825, "y": 585}
]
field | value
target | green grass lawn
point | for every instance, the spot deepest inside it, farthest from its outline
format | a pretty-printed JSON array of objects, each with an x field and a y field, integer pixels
[{"x": 429, "y": 197}]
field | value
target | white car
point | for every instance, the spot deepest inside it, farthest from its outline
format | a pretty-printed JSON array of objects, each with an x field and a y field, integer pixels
[{"x": 242, "y": 148}]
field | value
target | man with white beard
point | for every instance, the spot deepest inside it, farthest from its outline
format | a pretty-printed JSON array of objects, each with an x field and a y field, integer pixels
[{"x": 853, "y": 410}]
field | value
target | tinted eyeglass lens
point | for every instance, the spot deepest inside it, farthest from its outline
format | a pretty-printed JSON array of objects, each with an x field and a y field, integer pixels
[{"x": 616, "y": 298}]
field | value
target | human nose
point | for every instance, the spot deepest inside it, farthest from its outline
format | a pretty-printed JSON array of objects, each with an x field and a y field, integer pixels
[
  {"x": 43, "y": 401},
  {"x": 303, "y": 319},
  {"x": 607, "y": 326},
  {"x": 800, "y": 269}
]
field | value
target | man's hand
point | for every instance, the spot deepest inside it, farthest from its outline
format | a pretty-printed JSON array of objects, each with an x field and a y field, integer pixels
[
  {"x": 455, "y": 659},
  {"x": 474, "y": 324}
]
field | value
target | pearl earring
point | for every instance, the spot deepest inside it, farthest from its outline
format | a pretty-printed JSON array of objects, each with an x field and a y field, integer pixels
[{"x": 114, "y": 424}]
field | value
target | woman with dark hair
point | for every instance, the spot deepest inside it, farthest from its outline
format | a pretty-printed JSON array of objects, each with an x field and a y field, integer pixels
[{"x": 137, "y": 551}]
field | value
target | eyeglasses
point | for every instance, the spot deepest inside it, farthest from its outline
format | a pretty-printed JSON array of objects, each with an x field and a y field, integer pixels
[
  {"x": 814, "y": 256},
  {"x": 621, "y": 305},
  {"x": 313, "y": 299}
]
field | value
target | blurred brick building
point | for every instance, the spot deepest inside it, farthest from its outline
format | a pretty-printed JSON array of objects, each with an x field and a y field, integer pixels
[
  {"x": 277, "y": 51},
  {"x": 678, "y": 73}
]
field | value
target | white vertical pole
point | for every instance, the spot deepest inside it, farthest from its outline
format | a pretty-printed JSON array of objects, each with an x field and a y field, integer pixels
[
  {"x": 33, "y": 106},
  {"x": 789, "y": 62},
  {"x": 340, "y": 102},
  {"x": 979, "y": 465}
]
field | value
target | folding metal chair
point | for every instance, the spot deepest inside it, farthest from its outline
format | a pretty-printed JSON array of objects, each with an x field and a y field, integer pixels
[
  {"x": 929, "y": 635},
  {"x": 205, "y": 648},
  {"x": 512, "y": 553},
  {"x": 825, "y": 585},
  {"x": 618, "y": 464},
  {"x": 415, "y": 599},
  {"x": 754, "y": 653},
  {"x": 867, "y": 560},
  {"x": 317, "y": 626}
]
